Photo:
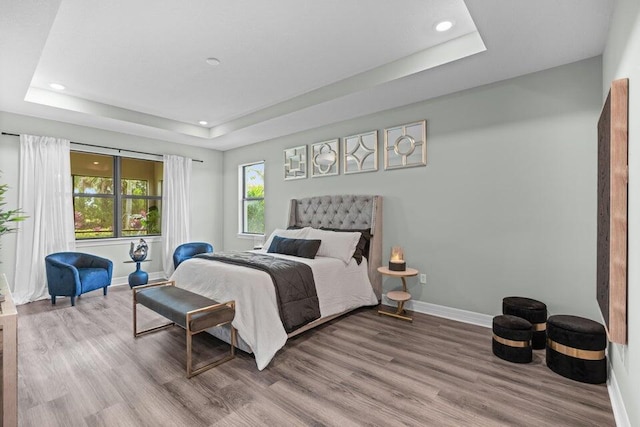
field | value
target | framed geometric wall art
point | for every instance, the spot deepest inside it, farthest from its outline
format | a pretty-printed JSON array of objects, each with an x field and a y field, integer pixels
[
  {"x": 405, "y": 146},
  {"x": 360, "y": 152},
  {"x": 325, "y": 160},
  {"x": 611, "y": 277},
  {"x": 295, "y": 163}
]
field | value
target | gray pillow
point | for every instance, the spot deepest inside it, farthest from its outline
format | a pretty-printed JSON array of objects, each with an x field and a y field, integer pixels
[{"x": 303, "y": 248}]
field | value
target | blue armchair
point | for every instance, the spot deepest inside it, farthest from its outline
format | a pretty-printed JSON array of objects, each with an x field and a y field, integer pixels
[
  {"x": 71, "y": 274},
  {"x": 188, "y": 250}
]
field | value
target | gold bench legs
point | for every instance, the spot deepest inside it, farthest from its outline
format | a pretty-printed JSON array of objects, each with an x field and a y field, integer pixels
[{"x": 190, "y": 333}]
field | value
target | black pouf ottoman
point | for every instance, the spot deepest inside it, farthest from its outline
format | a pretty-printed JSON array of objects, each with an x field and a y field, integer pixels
[
  {"x": 575, "y": 348},
  {"x": 512, "y": 339},
  {"x": 533, "y": 311}
]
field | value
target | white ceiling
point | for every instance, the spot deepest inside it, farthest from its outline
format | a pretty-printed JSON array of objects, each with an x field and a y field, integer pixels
[{"x": 139, "y": 66}]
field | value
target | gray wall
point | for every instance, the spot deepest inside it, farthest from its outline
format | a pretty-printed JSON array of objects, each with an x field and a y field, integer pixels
[
  {"x": 622, "y": 59},
  {"x": 506, "y": 205},
  {"x": 206, "y": 213}
]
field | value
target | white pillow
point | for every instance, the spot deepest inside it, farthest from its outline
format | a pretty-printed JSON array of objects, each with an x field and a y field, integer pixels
[
  {"x": 334, "y": 244},
  {"x": 299, "y": 233}
]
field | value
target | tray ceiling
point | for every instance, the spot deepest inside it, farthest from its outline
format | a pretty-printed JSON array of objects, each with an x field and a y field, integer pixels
[{"x": 287, "y": 66}]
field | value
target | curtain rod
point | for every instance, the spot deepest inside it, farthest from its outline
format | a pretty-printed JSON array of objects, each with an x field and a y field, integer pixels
[{"x": 110, "y": 148}]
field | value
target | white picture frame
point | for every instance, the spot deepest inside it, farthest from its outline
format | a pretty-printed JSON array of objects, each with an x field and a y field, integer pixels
[
  {"x": 325, "y": 158},
  {"x": 295, "y": 163},
  {"x": 405, "y": 146},
  {"x": 360, "y": 153}
]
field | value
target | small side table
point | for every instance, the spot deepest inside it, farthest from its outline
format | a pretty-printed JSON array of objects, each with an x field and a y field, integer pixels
[
  {"x": 398, "y": 296},
  {"x": 138, "y": 277}
]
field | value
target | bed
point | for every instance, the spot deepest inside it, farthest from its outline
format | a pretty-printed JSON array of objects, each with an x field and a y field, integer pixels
[{"x": 342, "y": 285}]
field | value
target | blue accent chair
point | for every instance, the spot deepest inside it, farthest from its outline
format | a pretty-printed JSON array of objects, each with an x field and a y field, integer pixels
[
  {"x": 188, "y": 250},
  {"x": 71, "y": 274}
]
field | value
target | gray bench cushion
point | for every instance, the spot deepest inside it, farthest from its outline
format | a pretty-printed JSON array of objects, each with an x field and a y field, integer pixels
[{"x": 174, "y": 303}]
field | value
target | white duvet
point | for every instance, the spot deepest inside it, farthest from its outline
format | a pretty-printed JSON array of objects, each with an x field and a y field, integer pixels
[{"x": 340, "y": 287}]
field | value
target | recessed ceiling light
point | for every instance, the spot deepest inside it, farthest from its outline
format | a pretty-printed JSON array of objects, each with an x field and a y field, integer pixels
[
  {"x": 444, "y": 26},
  {"x": 203, "y": 122},
  {"x": 213, "y": 61},
  {"x": 56, "y": 86},
  {"x": 96, "y": 163}
]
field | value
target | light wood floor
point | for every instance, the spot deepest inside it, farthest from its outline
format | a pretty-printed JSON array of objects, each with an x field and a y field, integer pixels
[{"x": 80, "y": 366}]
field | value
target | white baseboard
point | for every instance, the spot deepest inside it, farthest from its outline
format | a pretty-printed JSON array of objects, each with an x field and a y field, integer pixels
[
  {"x": 617, "y": 404},
  {"x": 457, "y": 314},
  {"x": 124, "y": 280}
]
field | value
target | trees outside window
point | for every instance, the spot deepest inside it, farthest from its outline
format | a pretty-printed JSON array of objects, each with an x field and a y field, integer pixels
[
  {"x": 115, "y": 196},
  {"x": 252, "y": 198}
]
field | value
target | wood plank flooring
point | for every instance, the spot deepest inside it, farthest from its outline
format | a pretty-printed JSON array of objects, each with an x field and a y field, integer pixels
[{"x": 81, "y": 366}]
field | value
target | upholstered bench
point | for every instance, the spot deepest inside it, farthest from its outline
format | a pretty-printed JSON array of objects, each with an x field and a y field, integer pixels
[
  {"x": 191, "y": 311},
  {"x": 575, "y": 348},
  {"x": 532, "y": 310},
  {"x": 512, "y": 339}
]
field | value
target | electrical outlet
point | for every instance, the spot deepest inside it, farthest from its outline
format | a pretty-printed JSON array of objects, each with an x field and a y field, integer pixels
[{"x": 423, "y": 279}]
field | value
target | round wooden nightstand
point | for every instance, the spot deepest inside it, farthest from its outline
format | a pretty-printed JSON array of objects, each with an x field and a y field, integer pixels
[{"x": 398, "y": 296}]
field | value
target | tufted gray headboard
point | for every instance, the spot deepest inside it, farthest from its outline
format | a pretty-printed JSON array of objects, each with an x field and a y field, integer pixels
[{"x": 348, "y": 212}]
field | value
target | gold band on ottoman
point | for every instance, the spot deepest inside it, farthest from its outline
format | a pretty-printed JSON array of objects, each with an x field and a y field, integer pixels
[
  {"x": 511, "y": 343},
  {"x": 575, "y": 352},
  {"x": 539, "y": 326}
]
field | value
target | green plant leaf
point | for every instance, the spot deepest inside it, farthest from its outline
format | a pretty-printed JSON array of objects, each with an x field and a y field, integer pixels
[{"x": 8, "y": 216}]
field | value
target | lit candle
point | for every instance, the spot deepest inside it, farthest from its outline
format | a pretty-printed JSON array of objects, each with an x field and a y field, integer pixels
[{"x": 396, "y": 261}]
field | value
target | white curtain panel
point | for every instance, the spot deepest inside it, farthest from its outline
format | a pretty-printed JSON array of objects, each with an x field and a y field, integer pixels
[
  {"x": 45, "y": 195},
  {"x": 176, "y": 205}
]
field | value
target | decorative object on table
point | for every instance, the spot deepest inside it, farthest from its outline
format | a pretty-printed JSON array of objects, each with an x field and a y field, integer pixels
[
  {"x": 405, "y": 146},
  {"x": 324, "y": 158},
  {"x": 396, "y": 260},
  {"x": 71, "y": 274},
  {"x": 576, "y": 348},
  {"x": 138, "y": 252},
  {"x": 533, "y": 311},
  {"x": 295, "y": 163},
  {"x": 360, "y": 152},
  {"x": 258, "y": 242},
  {"x": 189, "y": 250},
  {"x": 400, "y": 297},
  {"x": 613, "y": 176},
  {"x": 512, "y": 338},
  {"x": 9, "y": 216}
]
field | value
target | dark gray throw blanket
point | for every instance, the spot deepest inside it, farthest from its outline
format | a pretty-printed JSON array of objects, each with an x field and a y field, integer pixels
[{"x": 293, "y": 282}]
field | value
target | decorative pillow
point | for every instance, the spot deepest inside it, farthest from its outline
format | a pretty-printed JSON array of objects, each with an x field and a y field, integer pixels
[
  {"x": 335, "y": 245},
  {"x": 362, "y": 248},
  {"x": 297, "y": 247},
  {"x": 290, "y": 234}
]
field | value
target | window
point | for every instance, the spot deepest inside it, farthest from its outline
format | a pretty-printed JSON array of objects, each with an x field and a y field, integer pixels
[
  {"x": 252, "y": 198},
  {"x": 115, "y": 196}
]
